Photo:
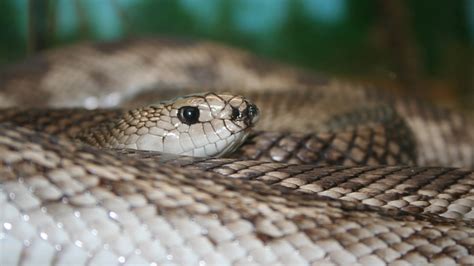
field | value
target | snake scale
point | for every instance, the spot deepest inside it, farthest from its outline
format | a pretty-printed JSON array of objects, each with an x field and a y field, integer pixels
[{"x": 333, "y": 174}]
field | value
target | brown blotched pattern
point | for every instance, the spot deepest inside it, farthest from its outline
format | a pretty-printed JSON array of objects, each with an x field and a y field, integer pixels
[{"x": 63, "y": 203}]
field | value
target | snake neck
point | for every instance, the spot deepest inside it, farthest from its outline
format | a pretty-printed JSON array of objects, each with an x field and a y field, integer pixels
[{"x": 123, "y": 132}]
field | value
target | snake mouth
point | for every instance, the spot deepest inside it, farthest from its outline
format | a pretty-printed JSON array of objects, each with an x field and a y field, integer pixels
[{"x": 234, "y": 145}]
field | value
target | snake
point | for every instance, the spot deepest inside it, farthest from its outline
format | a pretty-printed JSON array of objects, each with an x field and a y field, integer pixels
[{"x": 103, "y": 161}]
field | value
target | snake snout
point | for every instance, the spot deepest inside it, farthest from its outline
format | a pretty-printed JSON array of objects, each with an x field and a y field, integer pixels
[{"x": 253, "y": 114}]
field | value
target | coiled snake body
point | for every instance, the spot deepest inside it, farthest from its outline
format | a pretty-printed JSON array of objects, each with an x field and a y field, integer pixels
[{"x": 327, "y": 177}]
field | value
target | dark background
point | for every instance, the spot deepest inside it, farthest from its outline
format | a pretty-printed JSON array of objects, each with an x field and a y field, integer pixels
[{"x": 425, "y": 47}]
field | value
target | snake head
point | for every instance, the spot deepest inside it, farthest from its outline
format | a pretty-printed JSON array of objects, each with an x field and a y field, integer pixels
[{"x": 200, "y": 125}]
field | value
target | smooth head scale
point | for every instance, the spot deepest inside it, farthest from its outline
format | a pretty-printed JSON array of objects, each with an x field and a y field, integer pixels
[{"x": 201, "y": 125}]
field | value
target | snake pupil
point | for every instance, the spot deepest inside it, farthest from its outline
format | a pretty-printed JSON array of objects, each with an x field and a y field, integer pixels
[{"x": 188, "y": 115}]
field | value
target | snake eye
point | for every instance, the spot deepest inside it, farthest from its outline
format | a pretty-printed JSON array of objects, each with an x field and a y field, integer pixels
[
  {"x": 188, "y": 115},
  {"x": 235, "y": 113}
]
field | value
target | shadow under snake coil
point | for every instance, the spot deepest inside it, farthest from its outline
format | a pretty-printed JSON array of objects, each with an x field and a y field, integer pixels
[{"x": 331, "y": 173}]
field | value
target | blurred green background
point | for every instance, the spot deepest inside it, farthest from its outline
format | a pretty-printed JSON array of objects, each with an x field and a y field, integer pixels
[{"x": 425, "y": 46}]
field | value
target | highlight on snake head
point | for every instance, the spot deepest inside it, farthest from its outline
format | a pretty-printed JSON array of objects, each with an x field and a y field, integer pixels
[{"x": 200, "y": 125}]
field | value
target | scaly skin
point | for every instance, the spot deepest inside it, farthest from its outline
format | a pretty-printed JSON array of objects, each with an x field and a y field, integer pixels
[
  {"x": 63, "y": 202},
  {"x": 137, "y": 72}
]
